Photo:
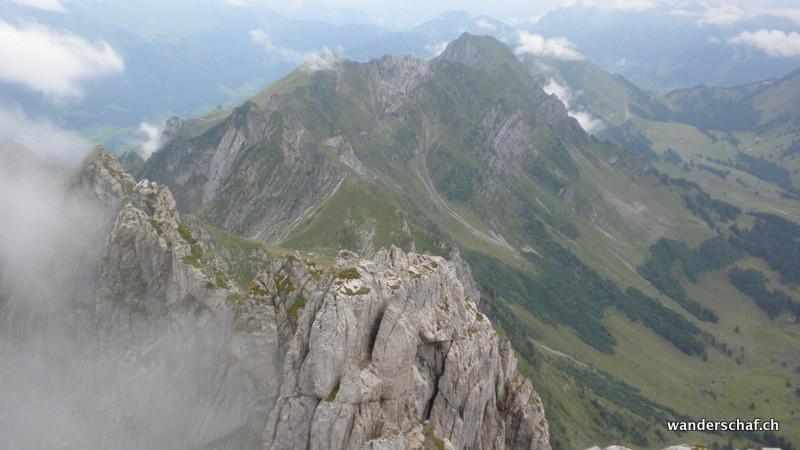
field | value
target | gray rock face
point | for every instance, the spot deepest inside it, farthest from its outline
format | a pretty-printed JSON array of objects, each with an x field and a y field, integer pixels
[
  {"x": 464, "y": 273},
  {"x": 552, "y": 111},
  {"x": 172, "y": 126},
  {"x": 164, "y": 321},
  {"x": 102, "y": 178},
  {"x": 393, "y": 81},
  {"x": 390, "y": 353},
  {"x": 270, "y": 151},
  {"x": 151, "y": 258}
]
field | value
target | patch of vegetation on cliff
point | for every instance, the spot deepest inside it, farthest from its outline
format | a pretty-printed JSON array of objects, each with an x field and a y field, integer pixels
[
  {"x": 669, "y": 259},
  {"x": 754, "y": 284},
  {"x": 571, "y": 293}
]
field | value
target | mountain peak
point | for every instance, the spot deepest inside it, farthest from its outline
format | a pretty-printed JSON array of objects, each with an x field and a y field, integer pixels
[
  {"x": 478, "y": 51},
  {"x": 103, "y": 178}
]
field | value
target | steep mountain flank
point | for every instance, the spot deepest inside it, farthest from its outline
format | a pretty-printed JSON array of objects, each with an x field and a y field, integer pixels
[
  {"x": 739, "y": 143},
  {"x": 433, "y": 147},
  {"x": 730, "y": 153}
]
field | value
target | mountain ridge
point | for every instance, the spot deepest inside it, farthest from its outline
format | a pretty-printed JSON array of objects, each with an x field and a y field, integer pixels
[{"x": 427, "y": 154}]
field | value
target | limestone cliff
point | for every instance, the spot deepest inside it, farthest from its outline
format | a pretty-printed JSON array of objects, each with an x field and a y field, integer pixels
[
  {"x": 151, "y": 255},
  {"x": 389, "y": 353},
  {"x": 102, "y": 179}
]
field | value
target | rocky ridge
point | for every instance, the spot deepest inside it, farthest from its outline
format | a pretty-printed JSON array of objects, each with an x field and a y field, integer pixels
[
  {"x": 102, "y": 179},
  {"x": 262, "y": 168},
  {"x": 388, "y": 353},
  {"x": 384, "y": 353}
]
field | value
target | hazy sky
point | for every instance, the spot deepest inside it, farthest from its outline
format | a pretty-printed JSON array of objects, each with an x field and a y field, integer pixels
[
  {"x": 408, "y": 13},
  {"x": 395, "y": 14}
]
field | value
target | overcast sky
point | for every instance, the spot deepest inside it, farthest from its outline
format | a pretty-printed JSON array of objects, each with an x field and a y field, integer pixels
[{"x": 408, "y": 13}]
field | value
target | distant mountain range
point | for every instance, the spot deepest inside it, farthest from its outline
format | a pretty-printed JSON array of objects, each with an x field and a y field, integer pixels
[
  {"x": 687, "y": 44},
  {"x": 185, "y": 62}
]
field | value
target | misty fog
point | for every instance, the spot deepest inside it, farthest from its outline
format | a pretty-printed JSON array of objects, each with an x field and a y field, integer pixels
[{"x": 72, "y": 377}]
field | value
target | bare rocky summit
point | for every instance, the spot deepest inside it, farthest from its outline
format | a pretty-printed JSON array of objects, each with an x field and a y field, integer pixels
[{"x": 390, "y": 353}]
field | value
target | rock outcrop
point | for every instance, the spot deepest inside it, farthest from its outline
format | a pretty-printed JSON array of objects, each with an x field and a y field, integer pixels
[
  {"x": 103, "y": 180},
  {"x": 164, "y": 349},
  {"x": 151, "y": 256},
  {"x": 390, "y": 353}
]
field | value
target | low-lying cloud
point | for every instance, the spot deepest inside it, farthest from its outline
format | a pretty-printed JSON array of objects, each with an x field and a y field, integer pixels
[
  {"x": 537, "y": 45},
  {"x": 48, "y": 141},
  {"x": 774, "y": 43},
  {"x": 309, "y": 61},
  {"x": 53, "y": 63},
  {"x": 587, "y": 120},
  {"x": 44, "y": 5},
  {"x": 74, "y": 375},
  {"x": 727, "y": 15},
  {"x": 634, "y": 5},
  {"x": 436, "y": 49},
  {"x": 152, "y": 139},
  {"x": 563, "y": 92},
  {"x": 322, "y": 61}
]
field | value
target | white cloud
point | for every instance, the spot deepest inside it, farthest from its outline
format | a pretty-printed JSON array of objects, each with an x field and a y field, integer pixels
[
  {"x": 726, "y": 15},
  {"x": 574, "y": 3},
  {"x": 624, "y": 5},
  {"x": 723, "y": 15},
  {"x": 321, "y": 61},
  {"x": 786, "y": 13},
  {"x": 774, "y": 43},
  {"x": 51, "y": 62},
  {"x": 309, "y": 61},
  {"x": 437, "y": 49},
  {"x": 633, "y": 5},
  {"x": 45, "y": 5},
  {"x": 587, "y": 120},
  {"x": 48, "y": 141},
  {"x": 624, "y": 62},
  {"x": 285, "y": 54},
  {"x": 152, "y": 142},
  {"x": 485, "y": 24},
  {"x": 564, "y": 93},
  {"x": 536, "y": 18},
  {"x": 537, "y": 45}
]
